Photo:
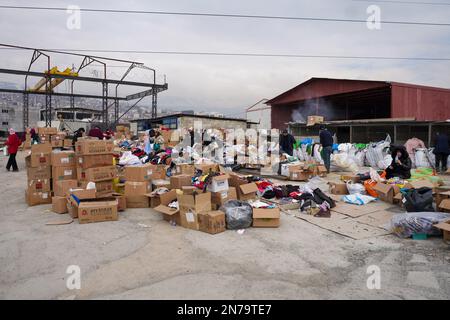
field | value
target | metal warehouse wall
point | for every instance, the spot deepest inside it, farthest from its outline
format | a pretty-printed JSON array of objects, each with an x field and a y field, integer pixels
[{"x": 425, "y": 104}]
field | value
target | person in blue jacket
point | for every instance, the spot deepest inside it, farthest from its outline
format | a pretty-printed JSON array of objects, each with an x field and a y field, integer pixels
[{"x": 441, "y": 151}]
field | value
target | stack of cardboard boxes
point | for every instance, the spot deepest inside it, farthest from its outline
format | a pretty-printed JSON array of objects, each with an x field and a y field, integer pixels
[
  {"x": 39, "y": 175},
  {"x": 303, "y": 171}
]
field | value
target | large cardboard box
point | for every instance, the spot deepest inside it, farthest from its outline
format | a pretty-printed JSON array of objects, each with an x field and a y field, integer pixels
[
  {"x": 59, "y": 204},
  {"x": 45, "y": 138},
  {"x": 67, "y": 143},
  {"x": 139, "y": 173},
  {"x": 177, "y": 182},
  {"x": 97, "y": 211},
  {"x": 385, "y": 192},
  {"x": 212, "y": 222},
  {"x": 169, "y": 214},
  {"x": 121, "y": 201},
  {"x": 160, "y": 183},
  {"x": 339, "y": 188},
  {"x": 134, "y": 188},
  {"x": 37, "y": 198},
  {"x": 441, "y": 195},
  {"x": 61, "y": 188},
  {"x": 38, "y": 160},
  {"x": 39, "y": 185},
  {"x": 139, "y": 201},
  {"x": 94, "y": 161},
  {"x": 57, "y": 143},
  {"x": 218, "y": 183},
  {"x": 247, "y": 191},
  {"x": 88, "y": 146},
  {"x": 206, "y": 168},
  {"x": 313, "y": 120},
  {"x": 102, "y": 188},
  {"x": 47, "y": 130},
  {"x": 83, "y": 194},
  {"x": 444, "y": 206},
  {"x": 63, "y": 158},
  {"x": 219, "y": 198},
  {"x": 266, "y": 218},
  {"x": 184, "y": 168},
  {"x": 299, "y": 175},
  {"x": 97, "y": 174},
  {"x": 190, "y": 206},
  {"x": 39, "y": 173},
  {"x": 64, "y": 173},
  {"x": 421, "y": 184}
]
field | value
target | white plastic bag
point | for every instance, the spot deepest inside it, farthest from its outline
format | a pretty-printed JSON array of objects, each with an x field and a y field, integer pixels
[
  {"x": 422, "y": 158},
  {"x": 358, "y": 199},
  {"x": 355, "y": 188}
]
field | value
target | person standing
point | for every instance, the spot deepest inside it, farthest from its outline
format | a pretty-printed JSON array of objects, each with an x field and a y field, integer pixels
[
  {"x": 326, "y": 140},
  {"x": 13, "y": 142},
  {"x": 34, "y": 136},
  {"x": 287, "y": 142},
  {"x": 77, "y": 134},
  {"x": 441, "y": 151}
]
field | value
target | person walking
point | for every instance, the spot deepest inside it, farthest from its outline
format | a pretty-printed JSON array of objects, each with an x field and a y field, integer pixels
[
  {"x": 441, "y": 151},
  {"x": 287, "y": 142},
  {"x": 326, "y": 140},
  {"x": 13, "y": 142}
]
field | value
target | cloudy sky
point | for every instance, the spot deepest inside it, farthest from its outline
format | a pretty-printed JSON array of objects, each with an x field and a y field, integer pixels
[{"x": 228, "y": 84}]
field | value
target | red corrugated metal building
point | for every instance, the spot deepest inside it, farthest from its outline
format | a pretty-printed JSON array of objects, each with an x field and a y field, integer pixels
[{"x": 342, "y": 99}]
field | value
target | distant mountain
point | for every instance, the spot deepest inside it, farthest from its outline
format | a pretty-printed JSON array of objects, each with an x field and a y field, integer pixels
[{"x": 8, "y": 85}]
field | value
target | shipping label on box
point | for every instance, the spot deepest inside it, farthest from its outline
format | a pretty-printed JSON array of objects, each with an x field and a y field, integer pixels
[
  {"x": 39, "y": 185},
  {"x": 97, "y": 174},
  {"x": 63, "y": 158},
  {"x": 218, "y": 183},
  {"x": 64, "y": 173}
]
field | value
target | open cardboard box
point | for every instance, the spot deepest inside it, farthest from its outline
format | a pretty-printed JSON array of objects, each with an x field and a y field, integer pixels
[
  {"x": 445, "y": 227},
  {"x": 338, "y": 188},
  {"x": 169, "y": 214},
  {"x": 385, "y": 192},
  {"x": 218, "y": 183},
  {"x": 190, "y": 206}
]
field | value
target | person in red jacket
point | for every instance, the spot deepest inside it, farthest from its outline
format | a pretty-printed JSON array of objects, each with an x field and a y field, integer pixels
[
  {"x": 96, "y": 132},
  {"x": 13, "y": 144}
]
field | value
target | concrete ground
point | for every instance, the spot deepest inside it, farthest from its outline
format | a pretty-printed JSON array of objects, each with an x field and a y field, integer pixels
[{"x": 142, "y": 257}]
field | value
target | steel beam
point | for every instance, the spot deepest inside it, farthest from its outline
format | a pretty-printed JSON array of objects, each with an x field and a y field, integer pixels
[{"x": 58, "y": 94}]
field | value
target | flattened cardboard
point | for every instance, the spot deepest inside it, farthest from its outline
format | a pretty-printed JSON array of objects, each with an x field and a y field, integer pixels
[
  {"x": 90, "y": 146},
  {"x": 59, "y": 204},
  {"x": 97, "y": 174},
  {"x": 97, "y": 211},
  {"x": 377, "y": 219},
  {"x": 64, "y": 173},
  {"x": 63, "y": 158},
  {"x": 266, "y": 218},
  {"x": 93, "y": 161},
  {"x": 212, "y": 222},
  {"x": 353, "y": 210}
]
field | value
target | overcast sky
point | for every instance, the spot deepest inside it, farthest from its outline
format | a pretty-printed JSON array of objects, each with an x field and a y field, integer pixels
[{"x": 228, "y": 84}]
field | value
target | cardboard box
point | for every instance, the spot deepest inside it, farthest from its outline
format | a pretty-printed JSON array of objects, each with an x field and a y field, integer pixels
[
  {"x": 121, "y": 201},
  {"x": 47, "y": 130},
  {"x": 97, "y": 174},
  {"x": 190, "y": 190},
  {"x": 141, "y": 201},
  {"x": 247, "y": 191},
  {"x": 160, "y": 183},
  {"x": 385, "y": 192},
  {"x": 61, "y": 188},
  {"x": 219, "y": 198},
  {"x": 176, "y": 182},
  {"x": 61, "y": 135},
  {"x": 139, "y": 173},
  {"x": 169, "y": 214},
  {"x": 102, "y": 188},
  {"x": 63, "y": 158},
  {"x": 322, "y": 171},
  {"x": 441, "y": 195},
  {"x": 64, "y": 173},
  {"x": 206, "y": 168},
  {"x": 191, "y": 206},
  {"x": 266, "y": 218},
  {"x": 313, "y": 120},
  {"x": 299, "y": 175},
  {"x": 339, "y": 188},
  {"x": 39, "y": 185},
  {"x": 88, "y": 146},
  {"x": 184, "y": 168},
  {"x": 444, "y": 206},
  {"x": 421, "y": 184},
  {"x": 97, "y": 211},
  {"x": 83, "y": 194},
  {"x": 44, "y": 138},
  {"x": 218, "y": 183},
  {"x": 59, "y": 204},
  {"x": 39, "y": 173},
  {"x": 445, "y": 227},
  {"x": 352, "y": 178},
  {"x": 38, "y": 160},
  {"x": 37, "y": 198},
  {"x": 57, "y": 143},
  {"x": 94, "y": 161},
  {"x": 134, "y": 188},
  {"x": 67, "y": 143},
  {"x": 212, "y": 222}
]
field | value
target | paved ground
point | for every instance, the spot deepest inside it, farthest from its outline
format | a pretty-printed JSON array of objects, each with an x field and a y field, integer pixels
[{"x": 142, "y": 257}]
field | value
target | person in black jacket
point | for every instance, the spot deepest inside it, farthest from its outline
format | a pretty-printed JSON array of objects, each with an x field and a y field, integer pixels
[
  {"x": 326, "y": 140},
  {"x": 287, "y": 141},
  {"x": 77, "y": 134},
  {"x": 441, "y": 151},
  {"x": 401, "y": 164}
]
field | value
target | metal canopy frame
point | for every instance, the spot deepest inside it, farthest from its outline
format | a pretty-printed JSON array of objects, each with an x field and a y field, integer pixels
[{"x": 153, "y": 90}]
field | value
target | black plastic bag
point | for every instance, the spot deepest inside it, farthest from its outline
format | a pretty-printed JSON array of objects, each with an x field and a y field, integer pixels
[
  {"x": 238, "y": 214},
  {"x": 419, "y": 200}
]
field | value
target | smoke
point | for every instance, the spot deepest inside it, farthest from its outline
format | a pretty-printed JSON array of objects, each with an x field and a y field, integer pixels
[{"x": 316, "y": 107}]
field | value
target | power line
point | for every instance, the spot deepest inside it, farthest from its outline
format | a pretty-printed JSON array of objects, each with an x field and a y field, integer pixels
[
  {"x": 407, "y": 2},
  {"x": 222, "y": 15},
  {"x": 250, "y": 54}
]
